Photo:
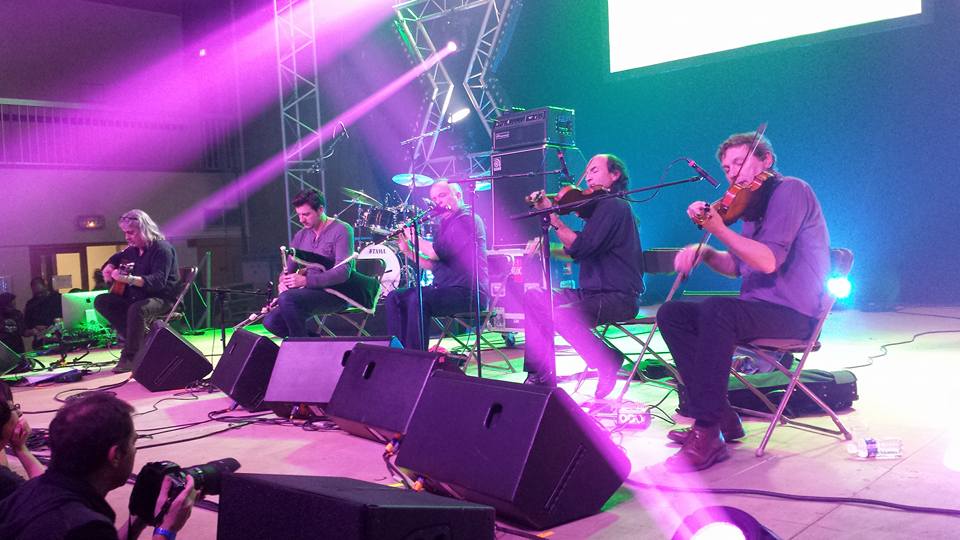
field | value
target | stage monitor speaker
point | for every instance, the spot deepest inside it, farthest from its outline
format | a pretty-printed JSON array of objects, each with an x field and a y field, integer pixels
[
  {"x": 528, "y": 451},
  {"x": 380, "y": 388},
  {"x": 9, "y": 359},
  {"x": 244, "y": 368},
  {"x": 508, "y": 194},
  {"x": 307, "y": 370},
  {"x": 309, "y": 507},
  {"x": 166, "y": 361}
]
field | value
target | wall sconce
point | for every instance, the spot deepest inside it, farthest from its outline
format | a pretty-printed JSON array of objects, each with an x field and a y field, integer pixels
[{"x": 90, "y": 223}]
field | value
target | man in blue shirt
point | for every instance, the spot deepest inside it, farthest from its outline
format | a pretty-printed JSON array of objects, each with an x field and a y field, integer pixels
[
  {"x": 782, "y": 255},
  {"x": 450, "y": 257}
]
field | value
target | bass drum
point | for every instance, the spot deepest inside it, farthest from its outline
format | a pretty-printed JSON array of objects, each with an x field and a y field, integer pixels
[{"x": 395, "y": 272}]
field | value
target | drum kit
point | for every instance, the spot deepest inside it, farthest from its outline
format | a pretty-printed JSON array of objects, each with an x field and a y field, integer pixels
[{"x": 377, "y": 221}]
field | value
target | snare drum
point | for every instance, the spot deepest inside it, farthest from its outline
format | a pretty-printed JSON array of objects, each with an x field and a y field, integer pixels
[{"x": 395, "y": 272}]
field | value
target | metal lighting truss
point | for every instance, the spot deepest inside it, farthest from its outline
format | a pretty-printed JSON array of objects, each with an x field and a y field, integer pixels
[
  {"x": 410, "y": 22},
  {"x": 295, "y": 24}
]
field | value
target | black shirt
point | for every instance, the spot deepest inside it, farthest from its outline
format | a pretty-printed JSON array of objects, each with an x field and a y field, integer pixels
[
  {"x": 55, "y": 506},
  {"x": 608, "y": 250},
  {"x": 157, "y": 266},
  {"x": 455, "y": 248},
  {"x": 42, "y": 310},
  {"x": 11, "y": 329},
  {"x": 9, "y": 482}
]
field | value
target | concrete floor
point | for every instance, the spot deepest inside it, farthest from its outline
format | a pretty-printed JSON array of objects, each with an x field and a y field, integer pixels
[{"x": 910, "y": 393}]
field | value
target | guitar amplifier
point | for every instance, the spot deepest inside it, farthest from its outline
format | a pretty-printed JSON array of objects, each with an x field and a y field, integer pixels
[{"x": 533, "y": 127}]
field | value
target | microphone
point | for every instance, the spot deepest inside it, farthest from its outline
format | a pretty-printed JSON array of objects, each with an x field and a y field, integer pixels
[
  {"x": 344, "y": 128},
  {"x": 563, "y": 164},
  {"x": 703, "y": 174}
]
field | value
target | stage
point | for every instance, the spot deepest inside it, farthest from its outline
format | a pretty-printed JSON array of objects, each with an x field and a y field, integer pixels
[{"x": 907, "y": 393}]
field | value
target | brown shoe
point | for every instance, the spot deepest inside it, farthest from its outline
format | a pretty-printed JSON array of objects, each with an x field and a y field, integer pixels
[
  {"x": 703, "y": 448},
  {"x": 730, "y": 427}
]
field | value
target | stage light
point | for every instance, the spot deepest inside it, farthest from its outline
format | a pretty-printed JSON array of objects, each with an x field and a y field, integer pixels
[
  {"x": 722, "y": 523},
  {"x": 839, "y": 287},
  {"x": 459, "y": 115},
  {"x": 201, "y": 53},
  {"x": 452, "y": 46}
]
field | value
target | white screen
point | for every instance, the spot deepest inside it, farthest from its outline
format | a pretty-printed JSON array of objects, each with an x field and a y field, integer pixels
[{"x": 650, "y": 32}]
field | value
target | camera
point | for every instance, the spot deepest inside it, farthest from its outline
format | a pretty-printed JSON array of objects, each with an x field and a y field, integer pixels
[{"x": 206, "y": 480}]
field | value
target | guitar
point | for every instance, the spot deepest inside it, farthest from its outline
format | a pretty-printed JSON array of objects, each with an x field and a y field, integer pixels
[
  {"x": 360, "y": 290},
  {"x": 118, "y": 287}
]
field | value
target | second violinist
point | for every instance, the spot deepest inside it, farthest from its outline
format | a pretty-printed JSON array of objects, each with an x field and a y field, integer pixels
[
  {"x": 611, "y": 281},
  {"x": 782, "y": 255}
]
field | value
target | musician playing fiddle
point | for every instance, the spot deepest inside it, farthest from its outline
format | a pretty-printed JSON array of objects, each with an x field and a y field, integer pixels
[
  {"x": 302, "y": 293},
  {"x": 782, "y": 255},
  {"x": 611, "y": 281}
]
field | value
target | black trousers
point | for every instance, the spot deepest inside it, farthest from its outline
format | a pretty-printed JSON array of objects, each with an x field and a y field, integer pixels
[
  {"x": 702, "y": 336},
  {"x": 295, "y": 306},
  {"x": 403, "y": 313},
  {"x": 578, "y": 313},
  {"x": 130, "y": 318}
]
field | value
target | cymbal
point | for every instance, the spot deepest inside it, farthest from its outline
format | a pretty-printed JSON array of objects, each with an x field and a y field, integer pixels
[
  {"x": 418, "y": 180},
  {"x": 361, "y": 198}
]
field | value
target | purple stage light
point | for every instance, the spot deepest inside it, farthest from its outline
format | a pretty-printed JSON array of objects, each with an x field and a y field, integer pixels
[{"x": 192, "y": 220}]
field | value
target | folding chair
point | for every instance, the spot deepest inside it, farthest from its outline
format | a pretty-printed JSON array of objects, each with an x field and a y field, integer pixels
[
  {"x": 655, "y": 261},
  {"x": 188, "y": 274},
  {"x": 460, "y": 326},
  {"x": 841, "y": 261},
  {"x": 370, "y": 267}
]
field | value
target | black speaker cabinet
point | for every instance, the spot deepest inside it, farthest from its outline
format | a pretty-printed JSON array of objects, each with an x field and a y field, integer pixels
[
  {"x": 380, "y": 388},
  {"x": 534, "y": 455},
  {"x": 307, "y": 370},
  {"x": 318, "y": 507},
  {"x": 166, "y": 361},
  {"x": 244, "y": 368},
  {"x": 508, "y": 194},
  {"x": 9, "y": 359}
]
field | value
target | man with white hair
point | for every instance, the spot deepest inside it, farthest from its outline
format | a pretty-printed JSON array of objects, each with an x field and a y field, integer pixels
[
  {"x": 145, "y": 275},
  {"x": 450, "y": 256}
]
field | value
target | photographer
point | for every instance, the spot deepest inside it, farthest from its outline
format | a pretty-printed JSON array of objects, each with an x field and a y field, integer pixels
[
  {"x": 92, "y": 450},
  {"x": 14, "y": 431}
]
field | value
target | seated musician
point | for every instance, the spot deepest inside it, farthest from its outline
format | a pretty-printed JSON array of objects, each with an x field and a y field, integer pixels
[
  {"x": 450, "y": 257},
  {"x": 308, "y": 292},
  {"x": 783, "y": 256},
  {"x": 143, "y": 282},
  {"x": 611, "y": 281}
]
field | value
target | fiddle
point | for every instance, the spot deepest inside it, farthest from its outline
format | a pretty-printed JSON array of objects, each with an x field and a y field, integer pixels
[
  {"x": 736, "y": 199},
  {"x": 569, "y": 194}
]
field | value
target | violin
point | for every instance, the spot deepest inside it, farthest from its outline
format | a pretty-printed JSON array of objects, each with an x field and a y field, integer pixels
[
  {"x": 737, "y": 199},
  {"x": 570, "y": 194}
]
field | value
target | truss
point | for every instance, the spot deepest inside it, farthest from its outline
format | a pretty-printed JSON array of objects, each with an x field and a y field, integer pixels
[
  {"x": 295, "y": 24},
  {"x": 410, "y": 22}
]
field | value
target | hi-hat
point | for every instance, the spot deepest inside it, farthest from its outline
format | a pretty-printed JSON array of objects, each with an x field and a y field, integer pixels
[
  {"x": 360, "y": 197},
  {"x": 418, "y": 180}
]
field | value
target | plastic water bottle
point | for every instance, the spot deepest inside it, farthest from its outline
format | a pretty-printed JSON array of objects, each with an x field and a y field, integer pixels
[{"x": 871, "y": 448}]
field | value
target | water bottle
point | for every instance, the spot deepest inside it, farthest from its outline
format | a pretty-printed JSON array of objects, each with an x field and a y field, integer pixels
[{"x": 875, "y": 448}]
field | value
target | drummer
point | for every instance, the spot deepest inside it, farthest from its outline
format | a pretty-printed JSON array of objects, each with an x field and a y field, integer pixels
[{"x": 450, "y": 257}]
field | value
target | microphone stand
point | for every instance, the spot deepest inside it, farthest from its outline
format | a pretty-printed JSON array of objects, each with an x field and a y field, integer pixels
[{"x": 221, "y": 303}]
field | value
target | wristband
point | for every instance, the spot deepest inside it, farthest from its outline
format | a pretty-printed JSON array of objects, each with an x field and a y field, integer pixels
[{"x": 166, "y": 533}]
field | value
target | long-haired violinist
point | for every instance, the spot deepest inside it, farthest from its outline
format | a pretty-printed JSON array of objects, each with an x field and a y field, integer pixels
[{"x": 611, "y": 280}]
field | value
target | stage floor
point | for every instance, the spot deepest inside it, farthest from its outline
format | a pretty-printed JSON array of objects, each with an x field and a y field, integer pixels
[{"x": 909, "y": 393}]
